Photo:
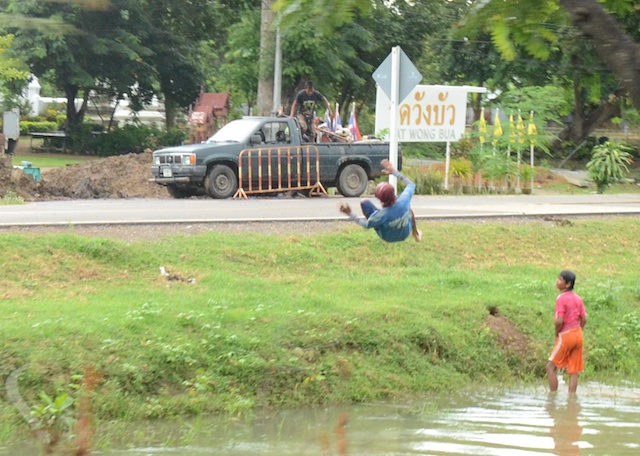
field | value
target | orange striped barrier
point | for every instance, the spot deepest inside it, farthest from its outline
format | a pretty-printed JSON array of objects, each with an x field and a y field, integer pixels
[{"x": 279, "y": 169}]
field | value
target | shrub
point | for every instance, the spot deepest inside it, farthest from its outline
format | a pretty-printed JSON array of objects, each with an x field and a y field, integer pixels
[
  {"x": 28, "y": 126},
  {"x": 428, "y": 181},
  {"x": 136, "y": 138},
  {"x": 50, "y": 115},
  {"x": 462, "y": 169},
  {"x": 462, "y": 148},
  {"x": 61, "y": 121},
  {"x": 81, "y": 140},
  {"x": 122, "y": 140},
  {"x": 423, "y": 150},
  {"x": 608, "y": 164},
  {"x": 11, "y": 198},
  {"x": 171, "y": 137}
]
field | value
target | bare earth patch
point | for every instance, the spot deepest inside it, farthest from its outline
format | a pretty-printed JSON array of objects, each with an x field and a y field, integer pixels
[{"x": 510, "y": 338}]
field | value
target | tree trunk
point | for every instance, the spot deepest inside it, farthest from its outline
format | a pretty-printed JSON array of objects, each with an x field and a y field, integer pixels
[
  {"x": 612, "y": 44},
  {"x": 170, "y": 109},
  {"x": 578, "y": 131},
  {"x": 75, "y": 139},
  {"x": 74, "y": 117},
  {"x": 578, "y": 105},
  {"x": 267, "y": 44},
  {"x": 477, "y": 104},
  {"x": 113, "y": 114}
]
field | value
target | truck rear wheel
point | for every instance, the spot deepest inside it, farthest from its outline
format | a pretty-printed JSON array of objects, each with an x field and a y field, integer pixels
[
  {"x": 221, "y": 183},
  {"x": 352, "y": 180}
]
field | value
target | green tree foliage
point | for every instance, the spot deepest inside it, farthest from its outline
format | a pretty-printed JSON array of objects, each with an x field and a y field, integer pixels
[
  {"x": 547, "y": 102},
  {"x": 533, "y": 29},
  {"x": 175, "y": 29},
  {"x": 223, "y": 14},
  {"x": 115, "y": 49},
  {"x": 321, "y": 16},
  {"x": 13, "y": 73},
  {"x": 105, "y": 52},
  {"x": 239, "y": 72},
  {"x": 534, "y": 25},
  {"x": 564, "y": 59},
  {"x": 339, "y": 63},
  {"x": 342, "y": 58}
]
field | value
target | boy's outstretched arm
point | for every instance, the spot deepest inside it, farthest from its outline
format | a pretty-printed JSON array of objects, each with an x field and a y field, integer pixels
[
  {"x": 346, "y": 209},
  {"x": 388, "y": 168}
]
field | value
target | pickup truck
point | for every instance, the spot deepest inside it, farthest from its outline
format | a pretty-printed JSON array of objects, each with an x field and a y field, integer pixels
[{"x": 259, "y": 155}]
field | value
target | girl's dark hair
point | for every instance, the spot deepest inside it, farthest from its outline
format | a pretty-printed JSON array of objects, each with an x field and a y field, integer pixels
[{"x": 569, "y": 277}]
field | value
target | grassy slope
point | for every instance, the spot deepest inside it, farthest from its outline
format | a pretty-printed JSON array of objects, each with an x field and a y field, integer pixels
[{"x": 305, "y": 319}]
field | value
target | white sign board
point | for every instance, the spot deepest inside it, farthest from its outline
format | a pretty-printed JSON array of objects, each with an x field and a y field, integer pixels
[
  {"x": 11, "y": 124},
  {"x": 427, "y": 114},
  {"x": 198, "y": 117}
]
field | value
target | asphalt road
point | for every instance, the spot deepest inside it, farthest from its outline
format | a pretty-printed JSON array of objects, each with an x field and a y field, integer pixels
[{"x": 127, "y": 211}]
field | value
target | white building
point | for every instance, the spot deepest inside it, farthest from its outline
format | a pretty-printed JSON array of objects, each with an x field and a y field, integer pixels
[{"x": 100, "y": 112}]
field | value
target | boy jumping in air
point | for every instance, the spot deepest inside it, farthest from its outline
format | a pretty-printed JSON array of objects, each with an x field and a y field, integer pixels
[{"x": 395, "y": 221}]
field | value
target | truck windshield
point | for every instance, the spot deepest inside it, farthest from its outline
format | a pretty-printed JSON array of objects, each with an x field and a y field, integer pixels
[{"x": 236, "y": 131}]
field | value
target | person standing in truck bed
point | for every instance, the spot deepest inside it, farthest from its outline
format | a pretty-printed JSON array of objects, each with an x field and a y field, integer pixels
[{"x": 304, "y": 106}]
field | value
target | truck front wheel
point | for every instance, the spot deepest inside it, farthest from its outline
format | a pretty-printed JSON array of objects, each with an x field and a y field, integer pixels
[
  {"x": 352, "y": 181},
  {"x": 221, "y": 182}
]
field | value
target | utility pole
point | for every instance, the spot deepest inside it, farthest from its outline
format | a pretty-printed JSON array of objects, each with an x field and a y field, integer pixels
[
  {"x": 267, "y": 41},
  {"x": 277, "y": 73}
]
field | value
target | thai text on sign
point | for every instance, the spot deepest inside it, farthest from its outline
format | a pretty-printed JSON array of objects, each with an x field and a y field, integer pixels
[{"x": 428, "y": 114}]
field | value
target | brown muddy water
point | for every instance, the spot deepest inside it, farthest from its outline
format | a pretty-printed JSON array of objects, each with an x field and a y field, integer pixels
[{"x": 599, "y": 421}]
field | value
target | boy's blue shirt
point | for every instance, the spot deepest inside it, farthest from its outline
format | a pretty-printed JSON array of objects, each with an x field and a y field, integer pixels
[{"x": 393, "y": 224}]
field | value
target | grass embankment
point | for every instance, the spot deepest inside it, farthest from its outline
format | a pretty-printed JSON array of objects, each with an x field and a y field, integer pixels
[
  {"x": 48, "y": 160},
  {"x": 287, "y": 320}
]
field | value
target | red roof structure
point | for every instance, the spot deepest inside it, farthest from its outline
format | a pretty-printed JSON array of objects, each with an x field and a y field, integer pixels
[{"x": 211, "y": 112}]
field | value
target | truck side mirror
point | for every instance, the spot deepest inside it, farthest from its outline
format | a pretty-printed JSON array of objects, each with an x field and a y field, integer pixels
[{"x": 256, "y": 138}]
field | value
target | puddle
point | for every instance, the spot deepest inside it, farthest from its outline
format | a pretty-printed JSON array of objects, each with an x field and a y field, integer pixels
[{"x": 600, "y": 420}]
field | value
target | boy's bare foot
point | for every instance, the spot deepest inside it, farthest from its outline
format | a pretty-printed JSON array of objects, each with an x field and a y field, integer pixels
[{"x": 417, "y": 235}]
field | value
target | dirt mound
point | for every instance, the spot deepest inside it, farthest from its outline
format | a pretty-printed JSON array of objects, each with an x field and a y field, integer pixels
[
  {"x": 122, "y": 176},
  {"x": 15, "y": 180},
  {"x": 511, "y": 339}
]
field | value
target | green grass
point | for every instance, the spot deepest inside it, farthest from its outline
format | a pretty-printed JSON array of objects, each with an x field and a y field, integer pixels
[
  {"x": 563, "y": 188},
  {"x": 47, "y": 160},
  {"x": 291, "y": 320},
  {"x": 11, "y": 198},
  {"x": 27, "y": 150}
]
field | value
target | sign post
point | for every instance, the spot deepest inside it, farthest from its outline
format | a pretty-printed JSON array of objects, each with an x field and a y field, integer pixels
[
  {"x": 397, "y": 76},
  {"x": 393, "y": 128}
]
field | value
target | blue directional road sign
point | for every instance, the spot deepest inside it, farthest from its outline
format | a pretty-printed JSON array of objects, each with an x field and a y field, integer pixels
[{"x": 409, "y": 76}]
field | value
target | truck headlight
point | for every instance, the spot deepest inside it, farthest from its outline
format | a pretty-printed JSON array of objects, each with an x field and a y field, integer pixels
[
  {"x": 156, "y": 160},
  {"x": 189, "y": 159}
]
